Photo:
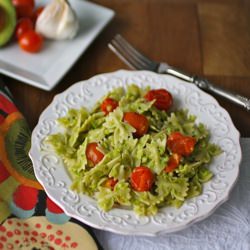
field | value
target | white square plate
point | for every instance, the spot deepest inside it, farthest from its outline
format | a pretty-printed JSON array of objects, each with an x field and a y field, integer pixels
[{"x": 46, "y": 68}]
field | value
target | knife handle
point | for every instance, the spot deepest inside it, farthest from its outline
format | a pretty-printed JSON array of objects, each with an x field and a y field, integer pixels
[{"x": 209, "y": 87}]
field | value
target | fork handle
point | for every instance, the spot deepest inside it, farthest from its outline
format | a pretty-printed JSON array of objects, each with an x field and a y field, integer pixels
[{"x": 209, "y": 87}]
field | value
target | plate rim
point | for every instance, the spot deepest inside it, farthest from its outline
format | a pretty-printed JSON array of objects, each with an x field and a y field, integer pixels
[{"x": 134, "y": 232}]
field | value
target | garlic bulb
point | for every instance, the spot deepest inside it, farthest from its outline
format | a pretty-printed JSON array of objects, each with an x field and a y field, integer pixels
[{"x": 57, "y": 21}]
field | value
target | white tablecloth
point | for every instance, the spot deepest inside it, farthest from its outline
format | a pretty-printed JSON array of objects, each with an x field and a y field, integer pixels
[{"x": 228, "y": 228}]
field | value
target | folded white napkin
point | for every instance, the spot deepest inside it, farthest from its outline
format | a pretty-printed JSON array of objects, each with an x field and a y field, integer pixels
[{"x": 227, "y": 228}]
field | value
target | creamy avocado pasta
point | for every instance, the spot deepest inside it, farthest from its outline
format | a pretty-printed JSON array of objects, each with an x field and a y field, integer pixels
[{"x": 134, "y": 149}]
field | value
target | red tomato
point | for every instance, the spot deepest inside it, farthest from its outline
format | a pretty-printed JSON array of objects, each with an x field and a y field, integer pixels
[
  {"x": 173, "y": 163},
  {"x": 173, "y": 137},
  {"x": 23, "y": 26},
  {"x": 139, "y": 122},
  {"x": 108, "y": 105},
  {"x": 110, "y": 183},
  {"x": 93, "y": 154},
  {"x": 163, "y": 99},
  {"x": 24, "y": 11},
  {"x": 31, "y": 41},
  {"x": 24, "y": 2},
  {"x": 181, "y": 144},
  {"x": 37, "y": 13},
  {"x": 24, "y": 8},
  {"x": 141, "y": 179}
]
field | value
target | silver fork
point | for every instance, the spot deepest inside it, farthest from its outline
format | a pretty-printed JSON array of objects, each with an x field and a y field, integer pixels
[{"x": 136, "y": 60}]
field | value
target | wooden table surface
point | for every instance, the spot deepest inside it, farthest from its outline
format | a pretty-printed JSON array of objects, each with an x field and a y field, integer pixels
[{"x": 205, "y": 37}]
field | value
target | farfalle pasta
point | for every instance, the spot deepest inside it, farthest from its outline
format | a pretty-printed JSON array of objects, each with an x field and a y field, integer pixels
[{"x": 134, "y": 149}]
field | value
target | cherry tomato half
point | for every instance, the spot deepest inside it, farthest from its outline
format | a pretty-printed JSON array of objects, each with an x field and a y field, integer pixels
[
  {"x": 24, "y": 8},
  {"x": 108, "y": 105},
  {"x": 37, "y": 13},
  {"x": 141, "y": 179},
  {"x": 23, "y": 26},
  {"x": 110, "y": 183},
  {"x": 93, "y": 154},
  {"x": 139, "y": 122},
  {"x": 163, "y": 99},
  {"x": 181, "y": 144},
  {"x": 173, "y": 163},
  {"x": 31, "y": 41}
]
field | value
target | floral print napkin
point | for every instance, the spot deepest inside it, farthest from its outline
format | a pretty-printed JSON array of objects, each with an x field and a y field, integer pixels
[{"x": 28, "y": 218}]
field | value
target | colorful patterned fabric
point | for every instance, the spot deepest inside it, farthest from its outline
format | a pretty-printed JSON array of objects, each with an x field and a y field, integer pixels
[
  {"x": 38, "y": 233},
  {"x": 19, "y": 189},
  {"x": 21, "y": 195}
]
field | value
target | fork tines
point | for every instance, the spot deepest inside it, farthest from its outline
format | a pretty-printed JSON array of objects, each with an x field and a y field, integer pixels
[{"x": 128, "y": 54}]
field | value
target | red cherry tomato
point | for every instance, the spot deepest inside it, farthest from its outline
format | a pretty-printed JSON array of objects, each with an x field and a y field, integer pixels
[
  {"x": 23, "y": 26},
  {"x": 139, "y": 122},
  {"x": 93, "y": 154},
  {"x": 173, "y": 163},
  {"x": 110, "y": 183},
  {"x": 141, "y": 179},
  {"x": 37, "y": 13},
  {"x": 163, "y": 99},
  {"x": 108, "y": 105},
  {"x": 24, "y": 8},
  {"x": 31, "y": 41},
  {"x": 24, "y": 2},
  {"x": 24, "y": 11},
  {"x": 181, "y": 144},
  {"x": 172, "y": 138}
]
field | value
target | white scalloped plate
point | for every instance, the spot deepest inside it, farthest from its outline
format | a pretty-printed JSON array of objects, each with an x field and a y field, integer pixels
[{"x": 52, "y": 175}]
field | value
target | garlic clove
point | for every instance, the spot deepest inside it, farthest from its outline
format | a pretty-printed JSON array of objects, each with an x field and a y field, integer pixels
[
  {"x": 68, "y": 26},
  {"x": 58, "y": 21}
]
